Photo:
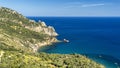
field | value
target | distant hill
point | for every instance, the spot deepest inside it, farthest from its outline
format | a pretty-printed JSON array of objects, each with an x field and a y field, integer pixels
[{"x": 20, "y": 39}]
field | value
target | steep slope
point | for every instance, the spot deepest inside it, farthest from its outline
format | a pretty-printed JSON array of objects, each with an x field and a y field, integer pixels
[
  {"x": 20, "y": 38},
  {"x": 22, "y": 33}
]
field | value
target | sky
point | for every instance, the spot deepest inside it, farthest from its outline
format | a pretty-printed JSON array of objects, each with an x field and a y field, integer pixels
[{"x": 64, "y": 7}]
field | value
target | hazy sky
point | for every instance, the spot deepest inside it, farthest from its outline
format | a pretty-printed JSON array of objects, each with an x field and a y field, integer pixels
[{"x": 64, "y": 7}]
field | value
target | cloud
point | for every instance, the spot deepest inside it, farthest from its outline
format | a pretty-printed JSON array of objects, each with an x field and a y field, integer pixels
[
  {"x": 82, "y": 5},
  {"x": 92, "y": 5}
]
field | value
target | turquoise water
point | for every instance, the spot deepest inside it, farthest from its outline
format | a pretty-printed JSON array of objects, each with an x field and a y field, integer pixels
[{"x": 96, "y": 37}]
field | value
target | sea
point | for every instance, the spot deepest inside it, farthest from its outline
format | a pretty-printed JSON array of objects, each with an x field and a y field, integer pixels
[{"x": 96, "y": 37}]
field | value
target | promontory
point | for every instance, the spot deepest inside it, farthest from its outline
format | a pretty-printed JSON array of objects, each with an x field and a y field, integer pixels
[{"x": 20, "y": 39}]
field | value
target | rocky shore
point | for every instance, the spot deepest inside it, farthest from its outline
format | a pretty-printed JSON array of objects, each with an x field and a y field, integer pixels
[{"x": 48, "y": 30}]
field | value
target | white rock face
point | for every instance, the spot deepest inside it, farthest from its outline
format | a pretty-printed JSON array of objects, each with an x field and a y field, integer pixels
[
  {"x": 43, "y": 24},
  {"x": 49, "y": 30},
  {"x": 33, "y": 21}
]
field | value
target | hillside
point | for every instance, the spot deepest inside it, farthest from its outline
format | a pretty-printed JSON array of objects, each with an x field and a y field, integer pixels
[
  {"x": 23, "y": 34},
  {"x": 20, "y": 38}
]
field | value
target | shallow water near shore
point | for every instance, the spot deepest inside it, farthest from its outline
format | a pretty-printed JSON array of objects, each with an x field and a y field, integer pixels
[
  {"x": 106, "y": 60},
  {"x": 96, "y": 37}
]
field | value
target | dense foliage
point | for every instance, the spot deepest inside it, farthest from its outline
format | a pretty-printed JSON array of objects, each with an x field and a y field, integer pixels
[{"x": 12, "y": 59}]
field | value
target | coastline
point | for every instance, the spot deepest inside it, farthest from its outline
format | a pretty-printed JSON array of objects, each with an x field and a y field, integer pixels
[
  {"x": 49, "y": 31},
  {"x": 21, "y": 37},
  {"x": 43, "y": 44},
  {"x": 84, "y": 38}
]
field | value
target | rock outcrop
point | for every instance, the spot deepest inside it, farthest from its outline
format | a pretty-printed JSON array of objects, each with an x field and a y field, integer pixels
[
  {"x": 24, "y": 34},
  {"x": 42, "y": 27}
]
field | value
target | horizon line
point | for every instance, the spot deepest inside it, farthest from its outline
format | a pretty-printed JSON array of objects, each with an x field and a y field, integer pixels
[{"x": 72, "y": 16}]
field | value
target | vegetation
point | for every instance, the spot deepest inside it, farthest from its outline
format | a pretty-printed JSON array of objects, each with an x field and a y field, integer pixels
[
  {"x": 13, "y": 59},
  {"x": 17, "y": 44}
]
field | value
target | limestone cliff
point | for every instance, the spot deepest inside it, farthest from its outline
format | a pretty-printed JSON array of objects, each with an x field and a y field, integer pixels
[
  {"x": 24, "y": 34},
  {"x": 42, "y": 27}
]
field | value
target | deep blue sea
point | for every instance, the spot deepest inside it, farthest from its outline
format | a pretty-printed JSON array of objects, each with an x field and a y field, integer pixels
[{"x": 96, "y": 37}]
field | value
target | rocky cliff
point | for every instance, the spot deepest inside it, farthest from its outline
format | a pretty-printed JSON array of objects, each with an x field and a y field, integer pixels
[{"x": 16, "y": 31}]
